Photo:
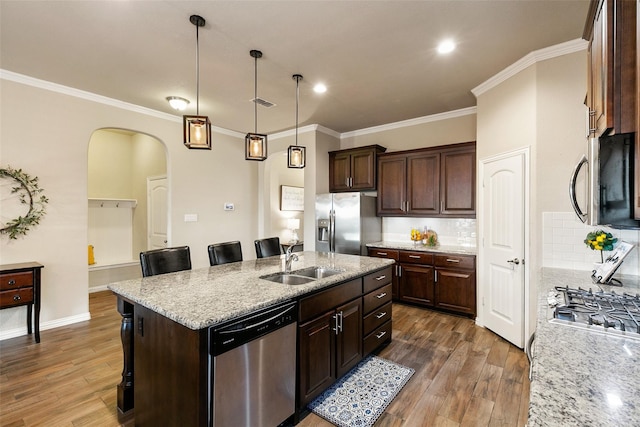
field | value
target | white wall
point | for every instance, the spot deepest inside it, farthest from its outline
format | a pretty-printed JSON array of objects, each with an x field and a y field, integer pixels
[{"x": 46, "y": 133}]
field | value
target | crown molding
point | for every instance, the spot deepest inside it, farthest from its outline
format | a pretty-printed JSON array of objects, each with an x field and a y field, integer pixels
[
  {"x": 561, "y": 49},
  {"x": 77, "y": 93},
  {"x": 411, "y": 122}
]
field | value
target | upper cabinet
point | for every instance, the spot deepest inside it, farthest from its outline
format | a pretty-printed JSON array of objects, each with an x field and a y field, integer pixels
[
  {"x": 354, "y": 169},
  {"x": 611, "y": 87},
  {"x": 436, "y": 181}
]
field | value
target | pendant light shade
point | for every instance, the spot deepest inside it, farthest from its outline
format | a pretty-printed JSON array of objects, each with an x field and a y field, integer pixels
[
  {"x": 255, "y": 144},
  {"x": 296, "y": 154},
  {"x": 197, "y": 129}
]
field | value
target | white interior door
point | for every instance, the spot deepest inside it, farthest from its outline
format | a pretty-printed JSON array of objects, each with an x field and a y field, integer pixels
[
  {"x": 157, "y": 212},
  {"x": 502, "y": 275}
]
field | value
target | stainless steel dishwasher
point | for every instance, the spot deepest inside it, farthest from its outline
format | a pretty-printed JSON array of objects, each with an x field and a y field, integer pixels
[{"x": 253, "y": 369}]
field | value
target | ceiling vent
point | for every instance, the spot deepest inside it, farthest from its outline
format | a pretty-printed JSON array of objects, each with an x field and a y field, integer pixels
[{"x": 263, "y": 102}]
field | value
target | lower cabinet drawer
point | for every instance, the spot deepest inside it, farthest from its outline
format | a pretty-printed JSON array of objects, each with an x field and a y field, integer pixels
[
  {"x": 375, "y": 299},
  {"x": 16, "y": 297},
  {"x": 377, "y": 318},
  {"x": 381, "y": 335}
]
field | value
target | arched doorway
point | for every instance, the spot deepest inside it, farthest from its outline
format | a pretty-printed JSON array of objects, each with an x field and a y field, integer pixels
[{"x": 119, "y": 163}]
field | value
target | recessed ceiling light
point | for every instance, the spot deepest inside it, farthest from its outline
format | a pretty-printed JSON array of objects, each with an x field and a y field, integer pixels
[
  {"x": 177, "y": 103},
  {"x": 319, "y": 88},
  {"x": 446, "y": 46}
]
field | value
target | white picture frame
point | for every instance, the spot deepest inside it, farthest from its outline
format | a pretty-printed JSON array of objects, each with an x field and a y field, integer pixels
[{"x": 291, "y": 198}]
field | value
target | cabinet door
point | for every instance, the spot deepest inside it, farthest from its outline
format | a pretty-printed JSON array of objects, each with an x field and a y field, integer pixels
[
  {"x": 458, "y": 183},
  {"x": 316, "y": 358},
  {"x": 339, "y": 171},
  {"x": 601, "y": 68},
  {"x": 423, "y": 184},
  {"x": 349, "y": 339},
  {"x": 392, "y": 172},
  {"x": 415, "y": 284},
  {"x": 363, "y": 170},
  {"x": 456, "y": 290}
]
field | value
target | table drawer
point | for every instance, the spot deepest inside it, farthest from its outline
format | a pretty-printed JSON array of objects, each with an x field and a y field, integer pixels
[
  {"x": 456, "y": 261},
  {"x": 416, "y": 257},
  {"x": 375, "y": 299},
  {"x": 16, "y": 297},
  {"x": 21, "y": 279},
  {"x": 375, "y": 280},
  {"x": 377, "y": 318},
  {"x": 377, "y": 338}
]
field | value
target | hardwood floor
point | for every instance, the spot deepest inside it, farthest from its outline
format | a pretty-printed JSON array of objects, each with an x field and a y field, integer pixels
[{"x": 465, "y": 375}]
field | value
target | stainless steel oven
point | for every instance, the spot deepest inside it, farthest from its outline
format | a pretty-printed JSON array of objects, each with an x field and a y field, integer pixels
[{"x": 253, "y": 369}]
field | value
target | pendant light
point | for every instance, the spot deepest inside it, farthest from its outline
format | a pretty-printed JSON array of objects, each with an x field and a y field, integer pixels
[
  {"x": 255, "y": 143},
  {"x": 296, "y": 155},
  {"x": 197, "y": 129}
]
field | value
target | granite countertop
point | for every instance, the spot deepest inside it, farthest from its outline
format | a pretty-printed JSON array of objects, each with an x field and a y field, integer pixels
[
  {"x": 207, "y": 296},
  {"x": 409, "y": 246},
  {"x": 581, "y": 377}
]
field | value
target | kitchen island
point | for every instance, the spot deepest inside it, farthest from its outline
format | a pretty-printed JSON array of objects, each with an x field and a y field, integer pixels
[
  {"x": 167, "y": 318},
  {"x": 582, "y": 377}
]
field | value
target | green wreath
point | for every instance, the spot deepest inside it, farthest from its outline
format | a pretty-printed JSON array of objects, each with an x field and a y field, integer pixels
[{"x": 29, "y": 193}]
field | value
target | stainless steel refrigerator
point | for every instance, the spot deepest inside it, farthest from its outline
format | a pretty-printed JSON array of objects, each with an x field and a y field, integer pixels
[{"x": 346, "y": 222}]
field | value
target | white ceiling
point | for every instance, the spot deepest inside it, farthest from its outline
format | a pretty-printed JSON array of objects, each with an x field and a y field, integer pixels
[{"x": 377, "y": 58}]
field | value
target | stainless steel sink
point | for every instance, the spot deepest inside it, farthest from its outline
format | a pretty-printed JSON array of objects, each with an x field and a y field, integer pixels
[
  {"x": 316, "y": 272},
  {"x": 287, "y": 279},
  {"x": 302, "y": 276}
]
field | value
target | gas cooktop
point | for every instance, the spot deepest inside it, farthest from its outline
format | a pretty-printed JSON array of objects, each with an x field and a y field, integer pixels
[{"x": 605, "y": 312}]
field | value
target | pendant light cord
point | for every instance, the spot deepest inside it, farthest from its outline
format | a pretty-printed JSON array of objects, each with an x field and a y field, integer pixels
[
  {"x": 255, "y": 96},
  {"x": 197, "y": 71},
  {"x": 297, "y": 101}
]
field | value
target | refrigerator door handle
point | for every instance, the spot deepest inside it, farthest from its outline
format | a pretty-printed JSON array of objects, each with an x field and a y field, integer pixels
[{"x": 332, "y": 230}]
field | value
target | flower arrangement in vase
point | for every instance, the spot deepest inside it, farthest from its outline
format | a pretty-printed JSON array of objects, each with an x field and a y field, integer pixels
[{"x": 600, "y": 240}]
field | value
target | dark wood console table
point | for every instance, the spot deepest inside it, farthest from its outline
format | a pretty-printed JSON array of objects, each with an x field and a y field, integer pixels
[{"x": 20, "y": 285}]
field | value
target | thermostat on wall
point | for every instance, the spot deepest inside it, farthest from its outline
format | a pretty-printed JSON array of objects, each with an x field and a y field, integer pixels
[{"x": 228, "y": 206}]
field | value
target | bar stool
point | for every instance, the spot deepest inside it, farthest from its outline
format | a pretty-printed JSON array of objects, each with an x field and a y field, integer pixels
[
  {"x": 222, "y": 253},
  {"x": 268, "y": 247},
  {"x": 165, "y": 260}
]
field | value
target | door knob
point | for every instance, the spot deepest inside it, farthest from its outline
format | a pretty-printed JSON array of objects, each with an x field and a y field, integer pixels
[{"x": 515, "y": 261}]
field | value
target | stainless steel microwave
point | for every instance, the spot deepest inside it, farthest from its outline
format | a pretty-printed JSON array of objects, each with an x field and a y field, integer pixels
[{"x": 608, "y": 175}]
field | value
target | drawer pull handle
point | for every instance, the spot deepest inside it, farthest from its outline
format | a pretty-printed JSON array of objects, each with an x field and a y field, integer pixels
[
  {"x": 381, "y": 315},
  {"x": 381, "y": 334},
  {"x": 452, "y": 260},
  {"x": 414, "y": 256},
  {"x": 12, "y": 282},
  {"x": 16, "y": 298},
  {"x": 381, "y": 277},
  {"x": 382, "y": 295},
  {"x": 381, "y": 253}
]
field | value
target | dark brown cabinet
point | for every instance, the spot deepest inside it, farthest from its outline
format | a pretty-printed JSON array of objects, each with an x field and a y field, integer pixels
[
  {"x": 430, "y": 182},
  {"x": 354, "y": 169},
  {"x": 455, "y": 283},
  {"x": 329, "y": 338},
  {"x": 436, "y": 280},
  {"x": 611, "y": 87},
  {"x": 377, "y": 310},
  {"x": 415, "y": 278}
]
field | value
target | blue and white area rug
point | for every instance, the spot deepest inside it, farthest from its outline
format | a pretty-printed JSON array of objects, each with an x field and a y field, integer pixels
[{"x": 361, "y": 396}]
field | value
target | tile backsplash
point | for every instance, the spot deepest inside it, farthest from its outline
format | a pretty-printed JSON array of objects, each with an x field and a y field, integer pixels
[
  {"x": 564, "y": 247},
  {"x": 450, "y": 231}
]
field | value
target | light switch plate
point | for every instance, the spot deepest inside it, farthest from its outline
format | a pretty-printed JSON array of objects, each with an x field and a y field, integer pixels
[
  {"x": 229, "y": 206},
  {"x": 190, "y": 217}
]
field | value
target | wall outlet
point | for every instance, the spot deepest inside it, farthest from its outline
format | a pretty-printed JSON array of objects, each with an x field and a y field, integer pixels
[
  {"x": 190, "y": 217},
  {"x": 229, "y": 206}
]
